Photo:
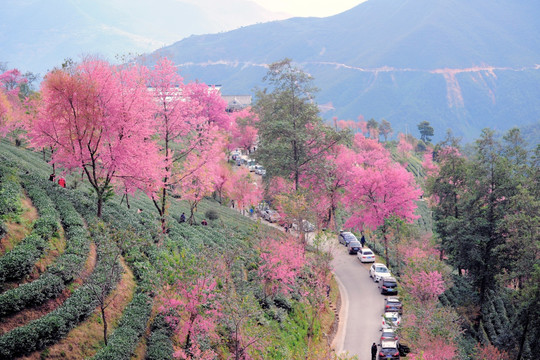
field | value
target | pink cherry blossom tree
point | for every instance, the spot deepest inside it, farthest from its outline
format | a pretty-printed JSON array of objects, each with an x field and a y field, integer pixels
[
  {"x": 99, "y": 118},
  {"x": 404, "y": 146},
  {"x": 199, "y": 171},
  {"x": 193, "y": 310},
  {"x": 280, "y": 263},
  {"x": 190, "y": 117},
  {"x": 11, "y": 102},
  {"x": 243, "y": 129},
  {"x": 380, "y": 195},
  {"x": 326, "y": 183},
  {"x": 244, "y": 188}
]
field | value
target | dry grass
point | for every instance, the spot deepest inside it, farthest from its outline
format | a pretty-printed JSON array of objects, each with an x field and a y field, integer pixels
[
  {"x": 86, "y": 339},
  {"x": 24, "y": 317},
  {"x": 18, "y": 230}
]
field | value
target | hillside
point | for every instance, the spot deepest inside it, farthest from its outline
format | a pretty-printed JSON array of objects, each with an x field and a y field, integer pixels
[
  {"x": 54, "y": 312},
  {"x": 458, "y": 64}
]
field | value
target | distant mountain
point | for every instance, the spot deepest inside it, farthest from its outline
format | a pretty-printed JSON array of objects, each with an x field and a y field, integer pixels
[
  {"x": 38, "y": 35},
  {"x": 460, "y": 64}
]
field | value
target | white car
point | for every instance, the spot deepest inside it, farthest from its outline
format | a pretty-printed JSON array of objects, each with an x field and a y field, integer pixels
[
  {"x": 377, "y": 271},
  {"x": 391, "y": 320},
  {"x": 365, "y": 255}
]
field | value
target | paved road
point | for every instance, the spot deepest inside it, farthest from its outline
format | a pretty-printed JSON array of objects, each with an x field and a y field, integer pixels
[{"x": 362, "y": 304}]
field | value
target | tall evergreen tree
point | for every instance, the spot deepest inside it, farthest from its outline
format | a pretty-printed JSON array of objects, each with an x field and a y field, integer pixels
[{"x": 291, "y": 133}]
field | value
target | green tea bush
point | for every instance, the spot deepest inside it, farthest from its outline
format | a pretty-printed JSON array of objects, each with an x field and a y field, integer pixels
[
  {"x": 160, "y": 345},
  {"x": 50, "y": 328},
  {"x": 10, "y": 190},
  {"x": 17, "y": 263},
  {"x": 67, "y": 266},
  {"x": 31, "y": 294},
  {"x": 211, "y": 214},
  {"x": 131, "y": 327}
]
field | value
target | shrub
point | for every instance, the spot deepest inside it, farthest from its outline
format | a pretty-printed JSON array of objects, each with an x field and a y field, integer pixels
[
  {"x": 160, "y": 346},
  {"x": 15, "y": 264},
  {"x": 211, "y": 214}
]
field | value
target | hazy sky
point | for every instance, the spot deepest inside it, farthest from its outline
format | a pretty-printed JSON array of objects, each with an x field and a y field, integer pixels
[{"x": 319, "y": 8}]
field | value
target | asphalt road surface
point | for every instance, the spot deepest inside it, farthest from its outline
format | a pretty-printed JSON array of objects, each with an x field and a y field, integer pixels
[{"x": 362, "y": 304}]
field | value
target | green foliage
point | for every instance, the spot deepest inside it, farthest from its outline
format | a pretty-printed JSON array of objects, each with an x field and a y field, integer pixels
[
  {"x": 10, "y": 190},
  {"x": 19, "y": 261},
  {"x": 67, "y": 266},
  {"x": 50, "y": 328},
  {"x": 291, "y": 133},
  {"x": 159, "y": 346},
  {"x": 131, "y": 327},
  {"x": 211, "y": 214}
]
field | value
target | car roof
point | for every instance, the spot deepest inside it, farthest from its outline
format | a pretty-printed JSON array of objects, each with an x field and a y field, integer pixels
[
  {"x": 392, "y": 299},
  {"x": 367, "y": 249},
  {"x": 388, "y": 330},
  {"x": 378, "y": 264},
  {"x": 391, "y": 314},
  {"x": 390, "y": 278},
  {"x": 354, "y": 242}
]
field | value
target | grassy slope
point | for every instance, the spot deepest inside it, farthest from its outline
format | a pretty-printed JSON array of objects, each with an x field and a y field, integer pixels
[{"x": 230, "y": 230}]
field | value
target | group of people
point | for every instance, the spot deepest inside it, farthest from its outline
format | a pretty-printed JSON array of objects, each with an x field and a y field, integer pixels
[
  {"x": 61, "y": 180},
  {"x": 183, "y": 219}
]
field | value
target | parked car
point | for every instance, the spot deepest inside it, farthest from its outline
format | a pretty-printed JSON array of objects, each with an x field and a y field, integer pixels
[
  {"x": 345, "y": 237},
  {"x": 377, "y": 271},
  {"x": 388, "y": 335},
  {"x": 388, "y": 285},
  {"x": 353, "y": 247},
  {"x": 389, "y": 350},
  {"x": 270, "y": 215},
  {"x": 365, "y": 255},
  {"x": 393, "y": 304},
  {"x": 306, "y": 226},
  {"x": 390, "y": 320},
  {"x": 260, "y": 170}
]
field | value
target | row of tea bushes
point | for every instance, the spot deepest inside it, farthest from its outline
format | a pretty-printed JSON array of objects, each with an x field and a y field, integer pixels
[
  {"x": 49, "y": 329},
  {"x": 67, "y": 266},
  {"x": 18, "y": 262}
]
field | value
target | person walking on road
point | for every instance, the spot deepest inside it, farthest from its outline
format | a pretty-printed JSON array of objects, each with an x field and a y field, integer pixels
[
  {"x": 373, "y": 351},
  {"x": 363, "y": 240}
]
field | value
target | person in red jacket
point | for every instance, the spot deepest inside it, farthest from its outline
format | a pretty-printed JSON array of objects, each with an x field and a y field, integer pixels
[{"x": 62, "y": 182}]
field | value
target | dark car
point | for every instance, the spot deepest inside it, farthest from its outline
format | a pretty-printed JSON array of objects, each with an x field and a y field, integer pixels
[
  {"x": 345, "y": 237},
  {"x": 393, "y": 350},
  {"x": 354, "y": 247},
  {"x": 393, "y": 304},
  {"x": 389, "y": 350},
  {"x": 388, "y": 286}
]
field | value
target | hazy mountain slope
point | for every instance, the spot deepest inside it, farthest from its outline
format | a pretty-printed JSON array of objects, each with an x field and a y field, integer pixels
[
  {"x": 456, "y": 63},
  {"x": 37, "y": 35}
]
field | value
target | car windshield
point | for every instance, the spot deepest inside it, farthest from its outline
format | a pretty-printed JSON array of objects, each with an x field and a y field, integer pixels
[{"x": 381, "y": 269}]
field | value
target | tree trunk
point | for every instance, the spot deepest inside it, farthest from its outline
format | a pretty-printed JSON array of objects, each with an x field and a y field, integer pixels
[
  {"x": 385, "y": 245},
  {"x": 104, "y": 325},
  {"x": 523, "y": 337},
  {"x": 99, "y": 204}
]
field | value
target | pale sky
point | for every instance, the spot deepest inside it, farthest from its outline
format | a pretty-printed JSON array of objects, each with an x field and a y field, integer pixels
[{"x": 320, "y": 8}]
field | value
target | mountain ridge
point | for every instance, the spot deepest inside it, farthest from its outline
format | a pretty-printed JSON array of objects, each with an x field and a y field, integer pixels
[{"x": 460, "y": 65}]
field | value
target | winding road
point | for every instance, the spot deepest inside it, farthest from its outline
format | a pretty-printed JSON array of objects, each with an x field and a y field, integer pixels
[{"x": 361, "y": 304}]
